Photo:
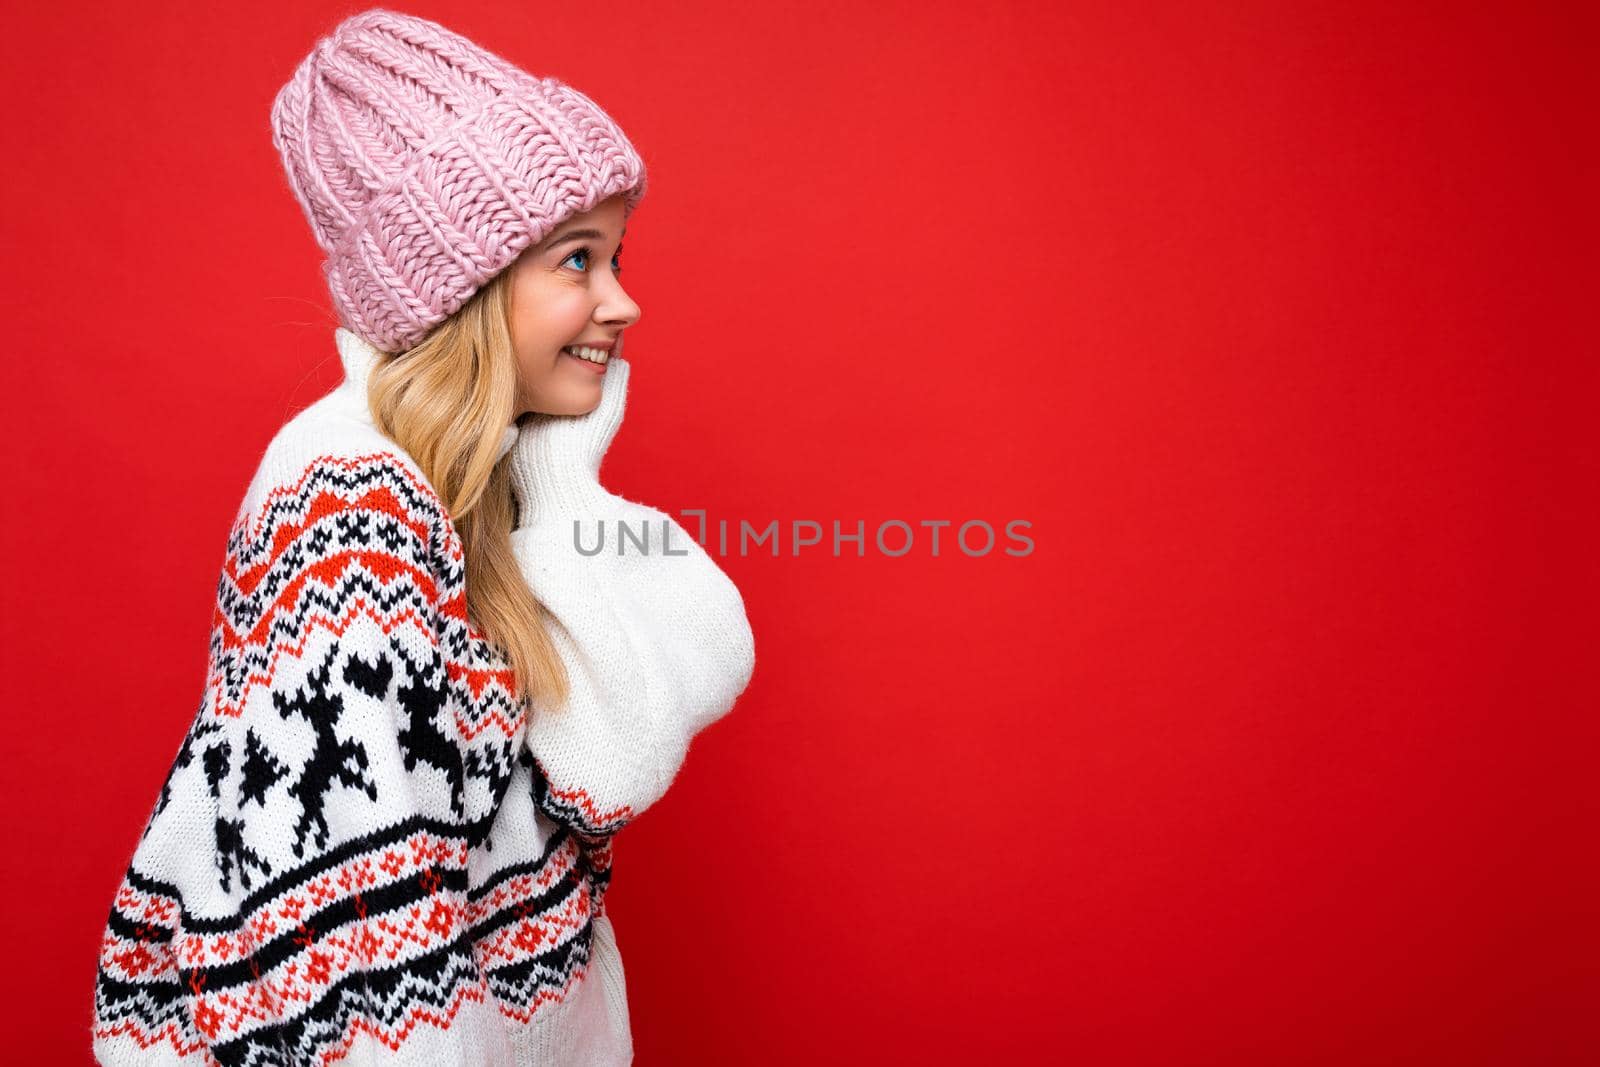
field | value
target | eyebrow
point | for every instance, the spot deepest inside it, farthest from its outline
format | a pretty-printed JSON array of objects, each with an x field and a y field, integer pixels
[{"x": 580, "y": 235}]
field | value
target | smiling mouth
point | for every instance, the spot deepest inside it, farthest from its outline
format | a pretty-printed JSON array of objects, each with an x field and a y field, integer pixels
[{"x": 592, "y": 355}]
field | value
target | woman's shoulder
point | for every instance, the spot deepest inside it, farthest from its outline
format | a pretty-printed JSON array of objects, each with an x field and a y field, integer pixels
[
  {"x": 332, "y": 456},
  {"x": 338, "y": 525}
]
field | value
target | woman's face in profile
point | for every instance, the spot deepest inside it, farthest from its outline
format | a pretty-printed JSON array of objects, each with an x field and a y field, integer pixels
[{"x": 565, "y": 291}]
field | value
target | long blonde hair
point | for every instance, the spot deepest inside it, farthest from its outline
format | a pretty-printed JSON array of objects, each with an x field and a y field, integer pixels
[{"x": 447, "y": 401}]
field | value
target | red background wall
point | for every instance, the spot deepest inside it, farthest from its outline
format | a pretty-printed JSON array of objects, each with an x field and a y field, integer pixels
[{"x": 1266, "y": 317}]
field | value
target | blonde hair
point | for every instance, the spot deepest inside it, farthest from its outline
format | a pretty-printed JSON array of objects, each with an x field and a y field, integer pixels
[{"x": 447, "y": 401}]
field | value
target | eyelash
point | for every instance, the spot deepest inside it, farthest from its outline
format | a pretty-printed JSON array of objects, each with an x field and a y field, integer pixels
[{"x": 587, "y": 251}]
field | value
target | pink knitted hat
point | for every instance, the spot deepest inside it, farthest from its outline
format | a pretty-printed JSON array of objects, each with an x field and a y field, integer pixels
[{"x": 426, "y": 165}]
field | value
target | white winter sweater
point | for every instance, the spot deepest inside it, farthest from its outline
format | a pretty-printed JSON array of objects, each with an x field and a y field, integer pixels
[{"x": 363, "y": 853}]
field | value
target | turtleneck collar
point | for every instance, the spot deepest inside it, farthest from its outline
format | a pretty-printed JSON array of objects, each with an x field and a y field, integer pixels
[
  {"x": 508, "y": 437},
  {"x": 358, "y": 358},
  {"x": 356, "y": 355}
]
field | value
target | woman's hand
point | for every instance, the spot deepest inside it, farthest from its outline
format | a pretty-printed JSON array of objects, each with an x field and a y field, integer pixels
[
  {"x": 555, "y": 464},
  {"x": 655, "y": 642}
]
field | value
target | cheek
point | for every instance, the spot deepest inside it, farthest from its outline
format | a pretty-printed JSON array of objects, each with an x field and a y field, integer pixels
[
  {"x": 536, "y": 368},
  {"x": 545, "y": 313},
  {"x": 540, "y": 332}
]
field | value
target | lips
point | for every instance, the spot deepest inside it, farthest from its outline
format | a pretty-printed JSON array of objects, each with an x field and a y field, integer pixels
[{"x": 596, "y": 367}]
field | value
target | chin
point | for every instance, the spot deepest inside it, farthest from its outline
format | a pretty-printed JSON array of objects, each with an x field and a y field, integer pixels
[
  {"x": 570, "y": 399},
  {"x": 581, "y": 405}
]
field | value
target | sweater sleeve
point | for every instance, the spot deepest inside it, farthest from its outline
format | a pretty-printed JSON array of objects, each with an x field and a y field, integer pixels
[
  {"x": 653, "y": 634},
  {"x": 300, "y": 890}
]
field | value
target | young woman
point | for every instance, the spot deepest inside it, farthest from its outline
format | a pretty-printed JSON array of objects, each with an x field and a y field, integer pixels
[{"x": 430, "y": 706}]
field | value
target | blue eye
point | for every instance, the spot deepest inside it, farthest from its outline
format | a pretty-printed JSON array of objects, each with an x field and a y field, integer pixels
[{"x": 586, "y": 253}]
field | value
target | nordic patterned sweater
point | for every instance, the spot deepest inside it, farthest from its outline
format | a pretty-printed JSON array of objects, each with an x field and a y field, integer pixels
[{"x": 365, "y": 850}]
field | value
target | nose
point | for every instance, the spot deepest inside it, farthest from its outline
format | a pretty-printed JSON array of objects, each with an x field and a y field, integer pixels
[{"x": 616, "y": 307}]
